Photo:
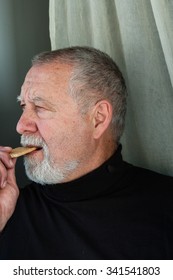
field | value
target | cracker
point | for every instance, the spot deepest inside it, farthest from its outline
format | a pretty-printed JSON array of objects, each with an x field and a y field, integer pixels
[{"x": 20, "y": 151}]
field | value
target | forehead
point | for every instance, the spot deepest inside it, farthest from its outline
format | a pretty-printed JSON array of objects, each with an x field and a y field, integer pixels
[{"x": 46, "y": 79}]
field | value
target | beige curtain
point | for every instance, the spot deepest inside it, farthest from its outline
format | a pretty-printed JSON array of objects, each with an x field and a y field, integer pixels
[{"x": 138, "y": 34}]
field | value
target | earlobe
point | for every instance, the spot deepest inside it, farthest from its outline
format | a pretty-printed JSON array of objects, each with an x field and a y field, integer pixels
[{"x": 102, "y": 117}]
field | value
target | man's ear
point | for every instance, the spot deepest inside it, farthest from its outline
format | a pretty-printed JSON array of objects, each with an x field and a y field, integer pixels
[{"x": 102, "y": 117}]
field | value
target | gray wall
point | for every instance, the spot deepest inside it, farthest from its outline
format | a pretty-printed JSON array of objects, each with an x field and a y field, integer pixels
[{"x": 24, "y": 31}]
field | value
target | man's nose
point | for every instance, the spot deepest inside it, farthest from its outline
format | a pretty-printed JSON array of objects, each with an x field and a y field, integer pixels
[{"x": 26, "y": 124}]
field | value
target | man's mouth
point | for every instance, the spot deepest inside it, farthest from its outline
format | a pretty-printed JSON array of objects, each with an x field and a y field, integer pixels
[{"x": 35, "y": 148}]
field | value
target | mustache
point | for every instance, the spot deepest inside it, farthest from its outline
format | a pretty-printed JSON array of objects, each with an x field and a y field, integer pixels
[{"x": 30, "y": 140}]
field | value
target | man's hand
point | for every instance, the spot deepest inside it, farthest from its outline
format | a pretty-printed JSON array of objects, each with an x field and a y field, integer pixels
[{"x": 9, "y": 191}]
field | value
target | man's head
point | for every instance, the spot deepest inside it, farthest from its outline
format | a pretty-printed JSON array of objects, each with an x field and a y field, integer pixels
[
  {"x": 74, "y": 104},
  {"x": 95, "y": 76}
]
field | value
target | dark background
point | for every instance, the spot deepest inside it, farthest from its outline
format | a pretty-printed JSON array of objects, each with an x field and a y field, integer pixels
[{"x": 24, "y": 32}]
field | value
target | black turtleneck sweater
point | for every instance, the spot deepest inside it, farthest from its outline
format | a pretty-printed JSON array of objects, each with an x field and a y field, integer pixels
[{"x": 117, "y": 211}]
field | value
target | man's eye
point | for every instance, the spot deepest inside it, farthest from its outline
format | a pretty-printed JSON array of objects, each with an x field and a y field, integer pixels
[{"x": 39, "y": 108}]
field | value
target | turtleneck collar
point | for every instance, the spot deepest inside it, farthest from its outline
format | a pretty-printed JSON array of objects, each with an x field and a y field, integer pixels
[{"x": 96, "y": 183}]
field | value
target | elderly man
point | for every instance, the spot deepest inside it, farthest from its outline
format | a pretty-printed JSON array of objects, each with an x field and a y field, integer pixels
[{"x": 84, "y": 201}]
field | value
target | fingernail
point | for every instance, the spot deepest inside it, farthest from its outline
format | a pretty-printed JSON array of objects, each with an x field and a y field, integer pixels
[{"x": 4, "y": 184}]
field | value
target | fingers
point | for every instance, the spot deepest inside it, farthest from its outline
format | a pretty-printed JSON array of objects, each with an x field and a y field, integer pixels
[
  {"x": 11, "y": 174},
  {"x": 5, "y": 149},
  {"x": 5, "y": 156},
  {"x": 6, "y": 166},
  {"x": 9, "y": 191}
]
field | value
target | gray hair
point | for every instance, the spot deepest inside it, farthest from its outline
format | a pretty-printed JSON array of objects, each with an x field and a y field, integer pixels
[{"x": 95, "y": 76}]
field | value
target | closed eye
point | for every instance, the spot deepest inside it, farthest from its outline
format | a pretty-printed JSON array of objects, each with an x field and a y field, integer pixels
[{"x": 39, "y": 108}]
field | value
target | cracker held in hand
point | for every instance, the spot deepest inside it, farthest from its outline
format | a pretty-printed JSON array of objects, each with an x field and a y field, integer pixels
[{"x": 20, "y": 151}]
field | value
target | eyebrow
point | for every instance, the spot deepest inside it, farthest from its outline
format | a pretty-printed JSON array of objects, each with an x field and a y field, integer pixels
[{"x": 19, "y": 99}]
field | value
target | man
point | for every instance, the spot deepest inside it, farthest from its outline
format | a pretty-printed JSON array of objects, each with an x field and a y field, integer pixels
[{"x": 85, "y": 202}]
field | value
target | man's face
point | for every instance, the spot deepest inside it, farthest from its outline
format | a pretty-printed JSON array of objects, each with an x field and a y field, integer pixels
[{"x": 52, "y": 120}]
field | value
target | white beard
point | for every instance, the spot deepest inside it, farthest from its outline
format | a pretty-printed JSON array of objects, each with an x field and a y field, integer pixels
[{"x": 46, "y": 171}]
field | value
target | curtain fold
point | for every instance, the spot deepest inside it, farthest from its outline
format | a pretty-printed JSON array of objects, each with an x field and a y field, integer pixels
[
  {"x": 138, "y": 35},
  {"x": 163, "y": 14}
]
